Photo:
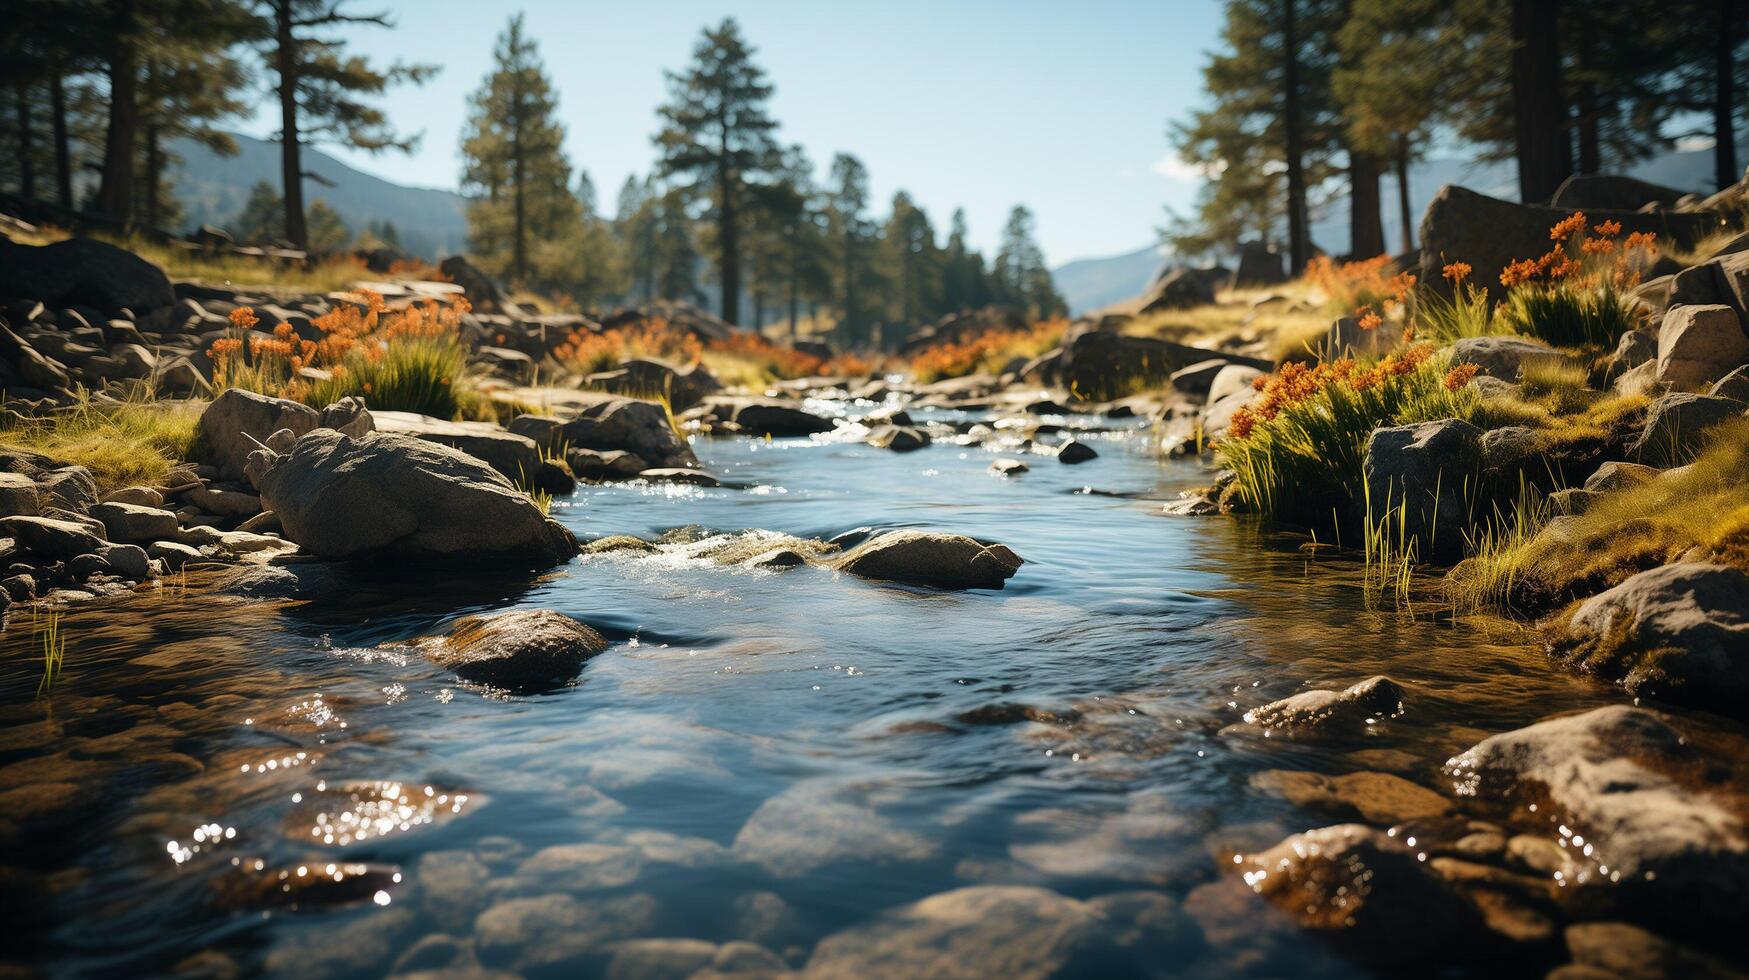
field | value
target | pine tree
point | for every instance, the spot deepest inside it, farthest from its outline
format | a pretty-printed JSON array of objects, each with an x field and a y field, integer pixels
[
  {"x": 1271, "y": 136},
  {"x": 327, "y": 230},
  {"x": 187, "y": 90},
  {"x": 914, "y": 265},
  {"x": 852, "y": 237},
  {"x": 636, "y": 227},
  {"x": 590, "y": 251},
  {"x": 677, "y": 256},
  {"x": 965, "y": 284},
  {"x": 1021, "y": 277},
  {"x": 514, "y": 163},
  {"x": 263, "y": 215},
  {"x": 716, "y": 135},
  {"x": 321, "y": 91}
]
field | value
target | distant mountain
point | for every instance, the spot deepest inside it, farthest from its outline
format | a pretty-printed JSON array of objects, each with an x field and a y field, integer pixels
[
  {"x": 213, "y": 188},
  {"x": 1088, "y": 284}
]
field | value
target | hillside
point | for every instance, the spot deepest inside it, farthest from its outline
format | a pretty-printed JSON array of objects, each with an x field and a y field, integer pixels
[{"x": 213, "y": 188}]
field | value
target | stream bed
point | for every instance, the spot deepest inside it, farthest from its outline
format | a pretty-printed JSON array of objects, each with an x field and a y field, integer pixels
[{"x": 764, "y": 766}]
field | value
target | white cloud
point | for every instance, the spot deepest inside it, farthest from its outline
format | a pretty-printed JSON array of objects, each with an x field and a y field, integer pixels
[
  {"x": 1172, "y": 167},
  {"x": 1694, "y": 144}
]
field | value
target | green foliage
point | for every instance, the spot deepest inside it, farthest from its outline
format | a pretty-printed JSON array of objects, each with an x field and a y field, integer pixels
[
  {"x": 1569, "y": 314},
  {"x": 515, "y": 169},
  {"x": 327, "y": 230},
  {"x": 1466, "y": 313},
  {"x": 1020, "y": 276},
  {"x": 263, "y": 215},
  {"x": 1308, "y": 455},
  {"x": 716, "y": 141},
  {"x": 413, "y": 374}
]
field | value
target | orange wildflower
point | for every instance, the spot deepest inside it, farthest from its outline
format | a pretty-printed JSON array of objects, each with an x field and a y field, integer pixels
[
  {"x": 1568, "y": 226},
  {"x": 1456, "y": 271},
  {"x": 1369, "y": 320},
  {"x": 244, "y": 317},
  {"x": 1459, "y": 376},
  {"x": 1608, "y": 229}
]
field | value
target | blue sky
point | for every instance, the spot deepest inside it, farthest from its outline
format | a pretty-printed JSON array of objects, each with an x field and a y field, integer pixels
[{"x": 980, "y": 103}]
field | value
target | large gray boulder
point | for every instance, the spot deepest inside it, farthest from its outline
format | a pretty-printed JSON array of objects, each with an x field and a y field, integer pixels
[
  {"x": 945, "y": 561},
  {"x": 1722, "y": 280},
  {"x": 1426, "y": 468},
  {"x": 1503, "y": 357},
  {"x": 134, "y": 524},
  {"x": 1179, "y": 289},
  {"x": 389, "y": 494},
  {"x": 1621, "y": 785},
  {"x": 1677, "y": 425},
  {"x": 630, "y": 424},
  {"x": 1259, "y": 265},
  {"x": 238, "y": 422},
  {"x": 1698, "y": 345},
  {"x": 642, "y": 377},
  {"x": 525, "y": 650},
  {"x": 83, "y": 272},
  {"x": 52, "y": 539},
  {"x": 1679, "y": 632},
  {"x": 517, "y": 457},
  {"x": 1489, "y": 233},
  {"x": 767, "y": 416},
  {"x": 1613, "y": 192}
]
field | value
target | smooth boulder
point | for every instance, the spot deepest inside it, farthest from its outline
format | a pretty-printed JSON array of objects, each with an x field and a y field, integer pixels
[
  {"x": 84, "y": 272},
  {"x": 340, "y": 497},
  {"x": 238, "y": 422},
  {"x": 1503, "y": 357},
  {"x": 945, "y": 561},
  {"x": 1698, "y": 345},
  {"x": 1323, "y": 712},
  {"x": 517, "y": 457},
  {"x": 1679, "y": 632},
  {"x": 1677, "y": 425},
  {"x": 1424, "y": 469},
  {"x": 523, "y": 651}
]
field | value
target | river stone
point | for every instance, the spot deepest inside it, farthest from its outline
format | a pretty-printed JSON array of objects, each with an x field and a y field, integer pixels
[
  {"x": 1678, "y": 631},
  {"x": 1700, "y": 344},
  {"x": 69, "y": 487},
  {"x": 554, "y": 934},
  {"x": 1503, "y": 357},
  {"x": 1619, "y": 475},
  {"x": 50, "y": 538},
  {"x": 1010, "y": 931},
  {"x": 946, "y": 561},
  {"x": 139, "y": 496},
  {"x": 1621, "y": 951},
  {"x": 348, "y": 416},
  {"x": 128, "y": 560},
  {"x": 525, "y": 650},
  {"x": 1635, "y": 348},
  {"x": 18, "y": 495},
  {"x": 767, "y": 416},
  {"x": 223, "y": 502},
  {"x": 1426, "y": 468},
  {"x": 1634, "y": 788},
  {"x": 173, "y": 554},
  {"x": 517, "y": 457},
  {"x": 1232, "y": 379},
  {"x": 1375, "y": 797},
  {"x": 1006, "y": 466},
  {"x": 679, "y": 474},
  {"x": 898, "y": 438},
  {"x": 635, "y": 426},
  {"x": 235, "y": 421},
  {"x": 1364, "y": 888},
  {"x": 1677, "y": 424},
  {"x": 133, "y": 523},
  {"x": 1323, "y": 712},
  {"x": 616, "y": 464},
  {"x": 340, "y": 497},
  {"x": 1075, "y": 451}
]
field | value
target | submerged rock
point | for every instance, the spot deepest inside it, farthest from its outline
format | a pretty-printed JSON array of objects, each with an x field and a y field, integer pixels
[
  {"x": 898, "y": 438},
  {"x": 946, "y": 561},
  {"x": 1075, "y": 451},
  {"x": 1322, "y": 712},
  {"x": 1375, "y": 797},
  {"x": 1631, "y": 802},
  {"x": 339, "y": 497},
  {"x": 1007, "y": 466},
  {"x": 1678, "y": 631},
  {"x": 1365, "y": 888},
  {"x": 524, "y": 650},
  {"x": 767, "y": 416}
]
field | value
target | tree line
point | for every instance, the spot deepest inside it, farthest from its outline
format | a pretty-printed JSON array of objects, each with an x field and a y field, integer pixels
[
  {"x": 1313, "y": 98},
  {"x": 100, "y": 89},
  {"x": 726, "y": 201}
]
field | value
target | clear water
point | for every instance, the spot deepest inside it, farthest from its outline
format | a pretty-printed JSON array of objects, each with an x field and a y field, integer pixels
[{"x": 770, "y": 756}]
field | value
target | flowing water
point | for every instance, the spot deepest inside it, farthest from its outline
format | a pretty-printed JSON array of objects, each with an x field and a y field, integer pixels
[{"x": 771, "y": 756}]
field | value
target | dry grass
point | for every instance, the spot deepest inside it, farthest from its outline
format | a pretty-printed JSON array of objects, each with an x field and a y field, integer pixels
[
  {"x": 125, "y": 444},
  {"x": 986, "y": 353},
  {"x": 1699, "y": 511}
]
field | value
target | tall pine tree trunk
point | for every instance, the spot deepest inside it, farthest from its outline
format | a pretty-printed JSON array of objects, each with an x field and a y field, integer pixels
[
  {"x": 26, "y": 163},
  {"x": 1544, "y": 146},
  {"x": 291, "y": 165},
  {"x": 1299, "y": 243},
  {"x": 115, "y": 189},
  {"x": 1366, "y": 228},
  {"x": 1590, "y": 145},
  {"x": 154, "y": 173},
  {"x": 63, "y": 158},
  {"x": 1725, "y": 170},
  {"x": 1404, "y": 212},
  {"x": 728, "y": 245}
]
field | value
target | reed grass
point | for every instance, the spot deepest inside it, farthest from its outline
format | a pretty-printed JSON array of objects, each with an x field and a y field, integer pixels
[{"x": 136, "y": 441}]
